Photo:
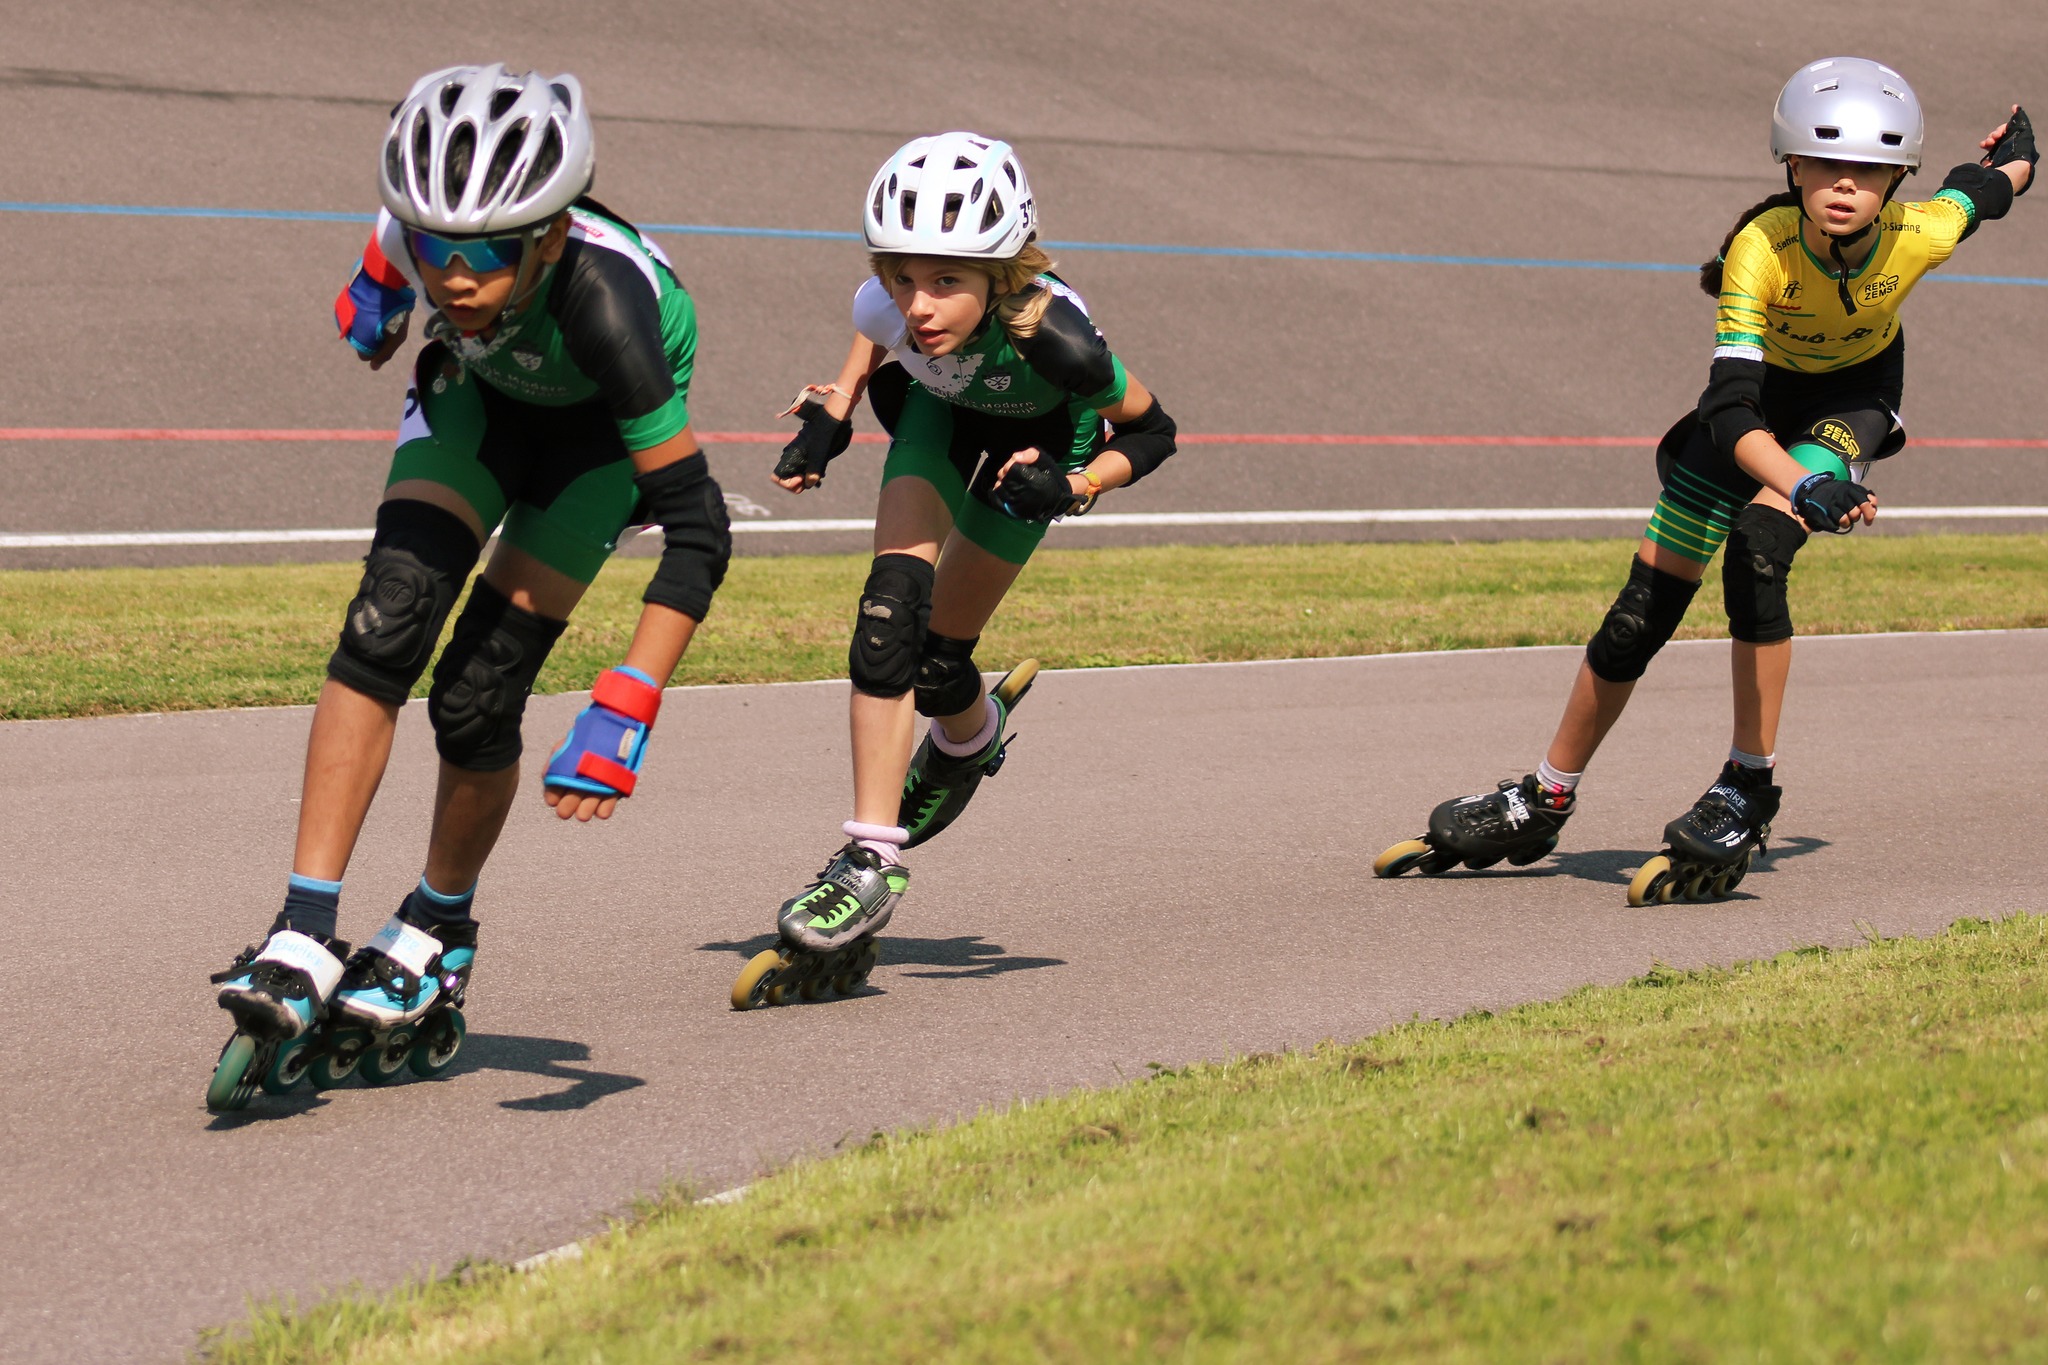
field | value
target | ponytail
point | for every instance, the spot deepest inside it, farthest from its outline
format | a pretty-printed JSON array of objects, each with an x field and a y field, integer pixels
[{"x": 1710, "y": 271}]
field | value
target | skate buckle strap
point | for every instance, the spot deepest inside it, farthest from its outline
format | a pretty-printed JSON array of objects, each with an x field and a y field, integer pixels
[
  {"x": 303, "y": 953},
  {"x": 408, "y": 945},
  {"x": 622, "y": 692}
]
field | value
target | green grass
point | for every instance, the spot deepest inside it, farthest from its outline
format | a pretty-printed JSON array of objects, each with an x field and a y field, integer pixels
[
  {"x": 102, "y": 641},
  {"x": 1831, "y": 1156}
]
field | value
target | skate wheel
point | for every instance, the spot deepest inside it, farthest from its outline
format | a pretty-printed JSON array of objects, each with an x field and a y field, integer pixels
[
  {"x": 813, "y": 987},
  {"x": 1527, "y": 856},
  {"x": 236, "y": 1075},
  {"x": 384, "y": 1060},
  {"x": 1726, "y": 883},
  {"x": 1016, "y": 683},
  {"x": 335, "y": 1065},
  {"x": 756, "y": 984},
  {"x": 1652, "y": 883},
  {"x": 1480, "y": 864},
  {"x": 1402, "y": 857},
  {"x": 289, "y": 1067},
  {"x": 438, "y": 1043},
  {"x": 1436, "y": 864}
]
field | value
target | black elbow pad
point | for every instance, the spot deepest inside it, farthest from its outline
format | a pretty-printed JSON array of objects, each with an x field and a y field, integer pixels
[
  {"x": 687, "y": 503},
  {"x": 1989, "y": 192},
  {"x": 1733, "y": 404},
  {"x": 1145, "y": 440}
]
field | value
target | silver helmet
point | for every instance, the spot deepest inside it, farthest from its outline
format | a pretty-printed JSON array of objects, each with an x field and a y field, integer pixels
[
  {"x": 476, "y": 149},
  {"x": 1849, "y": 109}
]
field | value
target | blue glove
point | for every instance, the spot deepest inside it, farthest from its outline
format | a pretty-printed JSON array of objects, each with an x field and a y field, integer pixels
[{"x": 608, "y": 738}]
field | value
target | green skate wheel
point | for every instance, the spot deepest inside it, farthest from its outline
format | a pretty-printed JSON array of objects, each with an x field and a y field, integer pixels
[
  {"x": 1402, "y": 857},
  {"x": 288, "y": 1067},
  {"x": 384, "y": 1060},
  {"x": 756, "y": 983},
  {"x": 1530, "y": 855},
  {"x": 344, "y": 1050},
  {"x": 236, "y": 1075},
  {"x": 1652, "y": 883},
  {"x": 438, "y": 1043}
]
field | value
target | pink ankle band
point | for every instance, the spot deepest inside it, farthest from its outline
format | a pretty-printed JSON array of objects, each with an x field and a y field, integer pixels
[{"x": 877, "y": 834}]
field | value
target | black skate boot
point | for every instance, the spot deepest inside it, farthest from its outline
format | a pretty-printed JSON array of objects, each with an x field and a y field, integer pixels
[
  {"x": 1517, "y": 822},
  {"x": 1710, "y": 849},
  {"x": 939, "y": 785}
]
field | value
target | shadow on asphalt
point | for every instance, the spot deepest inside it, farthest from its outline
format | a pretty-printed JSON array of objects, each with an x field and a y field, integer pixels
[
  {"x": 969, "y": 955},
  {"x": 1615, "y": 866},
  {"x": 544, "y": 1057}
]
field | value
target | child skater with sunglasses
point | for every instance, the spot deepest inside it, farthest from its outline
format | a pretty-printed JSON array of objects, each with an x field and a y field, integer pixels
[{"x": 549, "y": 406}]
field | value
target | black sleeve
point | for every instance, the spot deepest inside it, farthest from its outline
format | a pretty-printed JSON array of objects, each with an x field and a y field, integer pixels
[
  {"x": 1733, "y": 404},
  {"x": 1068, "y": 350},
  {"x": 611, "y": 327},
  {"x": 1990, "y": 192}
]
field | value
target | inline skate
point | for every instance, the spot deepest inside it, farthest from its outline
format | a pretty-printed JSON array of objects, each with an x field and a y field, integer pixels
[
  {"x": 939, "y": 785},
  {"x": 1517, "y": 822},
  {"x": 1711, "y": 848},
  {"x": 279, "y": 997},
  {"x": 828, "y": 932}
]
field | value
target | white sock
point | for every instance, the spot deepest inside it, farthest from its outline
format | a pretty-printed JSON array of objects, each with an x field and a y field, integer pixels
[
  {"x": 1736, "y": 755},
  {"x": 1555, "y": 780},
  {"x": 884, "y": 841},
  {"x": 962, "y": 748}
]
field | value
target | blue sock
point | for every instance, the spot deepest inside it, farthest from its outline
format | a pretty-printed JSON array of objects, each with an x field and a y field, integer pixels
[
  {"x": 429, "y": 907},
  {"x": 311, "y": 906}
]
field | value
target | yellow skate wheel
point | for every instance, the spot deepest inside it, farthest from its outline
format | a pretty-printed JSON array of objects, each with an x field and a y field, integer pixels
[
  {"x": 756, "y": 984},
  {"x": 1402, "y": 857},
  {"x": 813, "y": 987},
  {"x": 1016, "y": 682},
  {"x": 1699, "y": 886},
  {"x": 1652, "y": 883}
]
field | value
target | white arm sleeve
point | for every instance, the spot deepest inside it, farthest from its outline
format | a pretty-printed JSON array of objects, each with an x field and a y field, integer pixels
[{"x": 876, "y": 317}]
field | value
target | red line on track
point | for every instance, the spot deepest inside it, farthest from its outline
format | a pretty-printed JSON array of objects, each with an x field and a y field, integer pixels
[{"x": 1220, "y": 438}]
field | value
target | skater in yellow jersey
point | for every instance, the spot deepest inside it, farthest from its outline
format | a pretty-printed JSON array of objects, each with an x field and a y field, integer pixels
[
  {"x": 996, "y": 387},
  {"x": 1802, "y": 396}
]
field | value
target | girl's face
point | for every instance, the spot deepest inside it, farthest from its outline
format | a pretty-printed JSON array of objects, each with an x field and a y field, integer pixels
[
  {"x": 942, "y": 302},
  {"x": 1842, "y": 197},
  {"x": 473, "y": 299}
]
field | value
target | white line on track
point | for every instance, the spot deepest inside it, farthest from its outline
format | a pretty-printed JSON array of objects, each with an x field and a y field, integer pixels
[
  {"x": 64, "y": 540},
  {"x": 573, "y": 1251}
]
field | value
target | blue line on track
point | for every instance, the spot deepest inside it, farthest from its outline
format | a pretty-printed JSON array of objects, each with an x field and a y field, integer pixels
[{"x": 1254, "y": 253}]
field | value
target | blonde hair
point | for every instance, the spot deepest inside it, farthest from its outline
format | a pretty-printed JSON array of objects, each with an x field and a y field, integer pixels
[{"x": 1019, "y": 306}]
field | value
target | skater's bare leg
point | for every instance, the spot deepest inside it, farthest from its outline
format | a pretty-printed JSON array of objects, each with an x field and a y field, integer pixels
[
  {"x": 1596, "y": 703},
  {"x": 910, "y": 519},
  {"x": 345, "y": 759},
  {"x": 970, "y": 586},
  {"x": 1760, "y": 672}
]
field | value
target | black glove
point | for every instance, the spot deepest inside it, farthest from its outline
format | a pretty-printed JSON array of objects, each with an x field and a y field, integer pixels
[
  {"x": 2016, "y": 145},
  {"x": 1036, "y": 492},
  {"x": 821, "y": 438},
  {"x": 1822, "y": 500}
]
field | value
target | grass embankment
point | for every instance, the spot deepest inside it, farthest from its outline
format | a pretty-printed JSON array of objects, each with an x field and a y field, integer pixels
[
  {"x": 1831, "y": 1156},
  {"x": 102, "y": 641}
]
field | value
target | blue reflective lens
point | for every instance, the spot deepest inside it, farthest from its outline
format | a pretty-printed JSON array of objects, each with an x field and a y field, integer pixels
[{"x": 479, "y": 253}]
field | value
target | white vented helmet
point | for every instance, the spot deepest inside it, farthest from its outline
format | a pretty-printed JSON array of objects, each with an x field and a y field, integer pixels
[
  {"x": 1849, "y": 109},
  {"x": 956, "y": 194},
  {"x": 476, "y": 149}
]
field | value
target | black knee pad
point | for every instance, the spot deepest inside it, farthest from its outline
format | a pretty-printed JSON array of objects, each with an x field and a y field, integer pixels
[
  {"x": 947, "y": 680},
  {"x": 415, "y": 570},
  {"x": 484, "y": 678},
  {"x": 895, "y": 607},
  {"x": 1641, "y": 622},
  {"x": 1761, "y": 547}
]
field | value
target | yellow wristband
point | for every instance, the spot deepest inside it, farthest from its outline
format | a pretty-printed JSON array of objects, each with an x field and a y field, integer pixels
[{"x": 1094, "y": 483}]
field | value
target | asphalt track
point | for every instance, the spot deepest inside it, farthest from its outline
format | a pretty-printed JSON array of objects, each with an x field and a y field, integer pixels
[
  {"x": 1596, "y": 131},
  {"x": 1173, "y": 865}
]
